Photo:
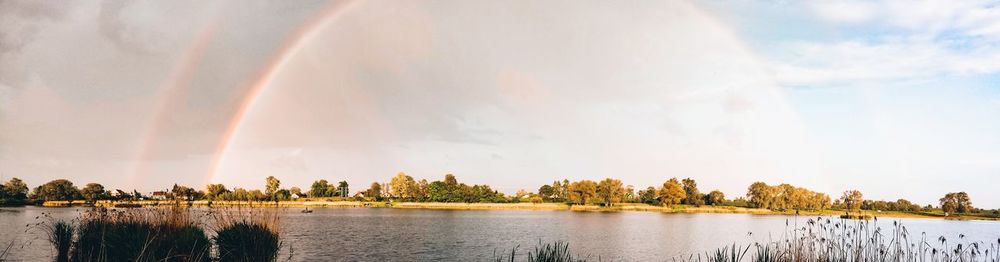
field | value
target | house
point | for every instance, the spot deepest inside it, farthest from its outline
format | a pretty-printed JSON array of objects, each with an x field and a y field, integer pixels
[{"x": 158, "y": 195}]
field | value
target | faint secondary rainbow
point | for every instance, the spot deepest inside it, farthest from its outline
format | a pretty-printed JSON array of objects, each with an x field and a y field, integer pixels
[
  {"x": 290, "y": 47},
  {"x": 180, "y": 77}
]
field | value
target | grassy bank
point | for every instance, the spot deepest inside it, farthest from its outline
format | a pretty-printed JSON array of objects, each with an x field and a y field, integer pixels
[{"x": 321, "y": 203}]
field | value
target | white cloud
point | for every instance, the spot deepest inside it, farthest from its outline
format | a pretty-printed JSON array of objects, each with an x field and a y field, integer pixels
[
  {"x": 920, "y": 40},
  {"x": 853, "y": 62},
  {"x": 844, "y": 11}
]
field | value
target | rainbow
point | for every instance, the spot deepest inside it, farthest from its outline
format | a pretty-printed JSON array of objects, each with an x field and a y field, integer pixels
[
  {"x": 291, "y": 46},
  {"x": 180, "y": 76}
]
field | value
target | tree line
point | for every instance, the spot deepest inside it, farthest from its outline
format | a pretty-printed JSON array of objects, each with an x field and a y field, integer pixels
[{"x": 402, "y": 187}]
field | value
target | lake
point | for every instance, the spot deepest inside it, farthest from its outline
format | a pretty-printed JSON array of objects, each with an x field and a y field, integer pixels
[{"x": 385, "y": 234}]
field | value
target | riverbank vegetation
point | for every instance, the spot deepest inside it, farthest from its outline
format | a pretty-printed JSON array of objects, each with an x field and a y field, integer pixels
[
  {"x": 13, "y": 192},
  {"x": 608, "y": 194},
  {"x": 250, "y": 235},
  {"x": 548, "y": 252},
  {"x": 825, "y": 239},
  {"x": 819, "y": 239},
  {"x": 165, "y": 235}
]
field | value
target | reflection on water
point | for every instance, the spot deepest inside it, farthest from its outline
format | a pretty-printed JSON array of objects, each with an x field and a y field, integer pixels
[{"x": 419, "y": 235}]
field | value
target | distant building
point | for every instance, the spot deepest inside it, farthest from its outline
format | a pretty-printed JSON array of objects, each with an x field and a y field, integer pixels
[{"x": 158, "y": 195}]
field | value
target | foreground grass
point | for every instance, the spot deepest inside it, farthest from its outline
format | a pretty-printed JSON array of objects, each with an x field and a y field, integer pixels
[
  {"x": 821, "y": 239},
  {"x": 247, "y": 235},
  {"x": 825, "y": 239},
  {"x": 165, "y": 235},
  {"x": 549, "y": 252},
  {"x": 148, "y": 235}
]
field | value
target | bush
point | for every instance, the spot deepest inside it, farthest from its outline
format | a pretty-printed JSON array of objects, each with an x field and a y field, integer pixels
[
  {"x": 61, "y": 236},
  {"x": 247, "y": 236},
  {"x": 140, "y": 236}
]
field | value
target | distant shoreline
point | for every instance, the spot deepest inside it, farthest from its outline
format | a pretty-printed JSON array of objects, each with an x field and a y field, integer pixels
[{"x": 623, "y": 207}]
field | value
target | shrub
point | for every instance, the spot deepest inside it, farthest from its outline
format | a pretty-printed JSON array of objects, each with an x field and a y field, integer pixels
[
  {"x": 60, "y": 234},
  {"x": 140, "y": 235},
  {"x": 247, "y": 236}
]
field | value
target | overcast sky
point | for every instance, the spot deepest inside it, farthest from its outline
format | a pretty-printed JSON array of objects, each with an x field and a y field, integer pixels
[{"x": 894, "y": 98}]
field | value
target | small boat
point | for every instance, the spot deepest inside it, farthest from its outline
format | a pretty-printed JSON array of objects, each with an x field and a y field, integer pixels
[{"x": 307, "y": 211}]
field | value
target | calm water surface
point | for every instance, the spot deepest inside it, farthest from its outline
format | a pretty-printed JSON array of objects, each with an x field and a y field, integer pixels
[{"x": 365, "y": 234}]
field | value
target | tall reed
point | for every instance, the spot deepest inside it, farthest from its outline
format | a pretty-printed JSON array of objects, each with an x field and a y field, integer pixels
[
  {"x": 134, "y": 235},
  {"x": 247, "y": 235},
  {"x": 141, "y": 235},
  {"x": 548, "y": 252},
  {"x": 826, "y": 239},
  {"x": 823, "y": 239},
  {"x": 60, "y": 234}
]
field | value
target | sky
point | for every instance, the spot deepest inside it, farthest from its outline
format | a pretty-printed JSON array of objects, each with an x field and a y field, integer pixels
[{"x": 898, "y": 99}]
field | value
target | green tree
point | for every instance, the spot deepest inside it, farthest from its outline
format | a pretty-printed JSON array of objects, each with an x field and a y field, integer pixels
[
  {"x": 956, "y": 203},
  {"x": 788, "y": 197},
  {"x": 852, "y": 199},
  {"x": 819, "y": 201},
  {"x": 136, "y": 195},
  {"x": 374, "y": 191},
  {"x": 215, "y": 191},
  {"x": 342, "y": 189},
  {"x": 648, "y": 196},
  {"x": 256, "y": 195},
  {"x": 122, "y": 195},
  {"x": 92, "y": 192},
  {"x": 546, "y": 192},
  {"x": 630, "y": 194},
  {"x": 672, "y": 192},
  {"x": 557, "y": 192},
  {"x": 581, "y": 191},
  {"x": 438, "y": 191},
  {"x": 271, "y": 185},
  {"x": 282, "y": 195},
  {"x": 295, "y": 191},
  {"x": 760, "y": 195},
  {"x": 184, "y": 193},
  {"x": 715, "y": 198},
  {"x": 450, "y": 180},
  {"x": 239, "y": 194},
  {"x": 565, "y": 189},
  {"x": 16, "y": 189},
  {"x": 319, "y": 188},
  {"x": 403, "y": 186},
  {"x": 610, "y": 191},
  {"x": 964, "y": 202},
  {"x": 59, "y": 189},
  {"x": 692, "y": 195},
  {"x": 421, "y": 190},
  {"x": 906, "y": 205}
]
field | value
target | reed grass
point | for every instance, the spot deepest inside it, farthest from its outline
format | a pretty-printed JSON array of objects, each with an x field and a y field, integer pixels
[
  {"x": 544, "y": 252},
  {"x": 165, "y": 234},
  {"x": 823, "y": 239},
  {"x": 247, "y": 235},
  {"x": 60, "y": 234},
  {"x": 826, "y": 239},
  {"x": 140, "y": 235}
]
